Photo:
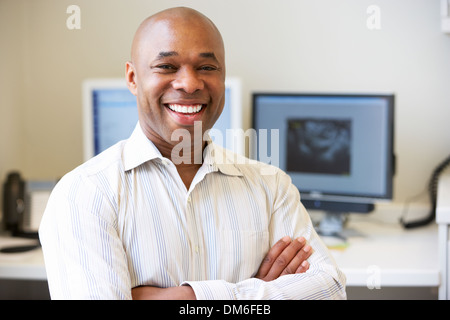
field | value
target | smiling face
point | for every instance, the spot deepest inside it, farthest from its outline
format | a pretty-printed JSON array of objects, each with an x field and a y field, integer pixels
[{"x": 177, "y": 73}]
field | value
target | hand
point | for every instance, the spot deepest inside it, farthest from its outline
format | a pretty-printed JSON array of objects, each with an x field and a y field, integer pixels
[
  {"x": 285, "y": 257},
  {"x": 155, "y": 293}
]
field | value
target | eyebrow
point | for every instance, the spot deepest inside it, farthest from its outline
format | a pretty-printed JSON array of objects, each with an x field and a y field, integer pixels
[
  {"x": 210, "y": 55},
  {"x": 165, "y": 54}
]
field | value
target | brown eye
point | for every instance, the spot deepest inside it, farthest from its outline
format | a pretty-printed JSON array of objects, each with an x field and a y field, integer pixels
[
  {"x": 208, "y": 68},
  {"x": 165, "y": 68}
]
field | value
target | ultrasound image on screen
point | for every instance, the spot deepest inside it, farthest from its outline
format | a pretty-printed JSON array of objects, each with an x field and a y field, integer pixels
[{"x": 317, "y": 145}]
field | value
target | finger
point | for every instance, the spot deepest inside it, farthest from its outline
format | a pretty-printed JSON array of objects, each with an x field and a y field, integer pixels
[
  {"x": 271, "y": 256},
  {"x": 297, "y": 264},
  {"x": 285, "y": 258},
  {"x": 303, "y": 267}
]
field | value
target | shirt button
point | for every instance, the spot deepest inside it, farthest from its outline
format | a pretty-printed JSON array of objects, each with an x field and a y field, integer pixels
[
  {"x": 197, "y": 249},
  {"x": 189, "y": 199}
]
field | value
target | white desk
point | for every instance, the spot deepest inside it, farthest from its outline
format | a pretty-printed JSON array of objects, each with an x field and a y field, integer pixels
[
  {"x": 21, "y": 266},
  {"x": 443, "y": 219},
  {"x": 386, "y": 256}
]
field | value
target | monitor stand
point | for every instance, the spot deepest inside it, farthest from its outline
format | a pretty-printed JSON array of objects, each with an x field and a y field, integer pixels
[{"x": 332, "y": 225}]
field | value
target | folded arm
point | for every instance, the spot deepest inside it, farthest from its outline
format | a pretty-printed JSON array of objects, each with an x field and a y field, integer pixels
[{"x": 285, "y": 257}]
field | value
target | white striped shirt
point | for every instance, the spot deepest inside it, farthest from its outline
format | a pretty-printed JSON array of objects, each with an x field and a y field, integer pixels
[{"x": 125, "y": 219}]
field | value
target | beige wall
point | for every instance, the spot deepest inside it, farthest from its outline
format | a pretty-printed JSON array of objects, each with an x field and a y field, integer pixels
[
  {"x": 11, "y": 102},
  {"x": 289, "y": 45}
]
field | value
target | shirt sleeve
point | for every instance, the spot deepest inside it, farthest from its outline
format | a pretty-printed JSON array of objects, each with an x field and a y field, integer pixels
[
  {"x": 323, "y": 280},
  {"x": 83, "y": 253}
]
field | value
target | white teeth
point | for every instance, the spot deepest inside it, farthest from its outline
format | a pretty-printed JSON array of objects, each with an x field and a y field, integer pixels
[{"x": 185, "y": 109}]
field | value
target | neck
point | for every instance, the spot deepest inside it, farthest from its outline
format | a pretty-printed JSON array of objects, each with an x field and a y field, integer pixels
[
  {"x": 183, "y": 153},
  {"x": 187, "y": 161},
  {"x": 186, "y": 153},
  {"x": 186, "y": 156}
]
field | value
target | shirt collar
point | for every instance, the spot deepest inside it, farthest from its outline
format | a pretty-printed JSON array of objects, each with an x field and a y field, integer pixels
[
  {"x": 139, "y": 149},
  {"x": 221, "y": 159}
]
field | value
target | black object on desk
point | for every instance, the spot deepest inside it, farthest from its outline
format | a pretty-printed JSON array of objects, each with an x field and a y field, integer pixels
[{"x": 17, "y": 249}]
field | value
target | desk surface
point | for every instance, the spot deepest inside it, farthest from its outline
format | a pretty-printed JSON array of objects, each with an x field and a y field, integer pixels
[
  {"x": 25, "y": 265},
  {"x": 388, "y": 255},
  {"x": 385, "y": 253}
]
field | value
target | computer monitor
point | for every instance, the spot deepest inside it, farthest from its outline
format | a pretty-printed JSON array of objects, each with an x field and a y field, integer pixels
[
  {"x": 110, "y": 113},
  {"x": 337, "y": 148}
]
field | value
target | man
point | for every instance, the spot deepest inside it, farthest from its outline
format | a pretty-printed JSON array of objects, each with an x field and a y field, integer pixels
[{"x": 167, "y": 214}]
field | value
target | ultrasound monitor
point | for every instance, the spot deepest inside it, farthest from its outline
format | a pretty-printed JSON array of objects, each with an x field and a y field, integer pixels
[
  {"x": 337, "y": 148},
  {"x": 110, "y": 113}
]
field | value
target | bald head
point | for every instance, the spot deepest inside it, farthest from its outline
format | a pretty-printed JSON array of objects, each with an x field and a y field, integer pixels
[
  {"x": 178, "y": 20},
  {"x": 177, "y": 73}
]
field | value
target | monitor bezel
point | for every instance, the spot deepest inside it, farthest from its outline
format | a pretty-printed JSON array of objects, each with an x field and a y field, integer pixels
[{"x": 314, "y": 195}]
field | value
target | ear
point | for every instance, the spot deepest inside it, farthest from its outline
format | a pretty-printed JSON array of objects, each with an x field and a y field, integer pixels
[{"x": 130, "y": 77}]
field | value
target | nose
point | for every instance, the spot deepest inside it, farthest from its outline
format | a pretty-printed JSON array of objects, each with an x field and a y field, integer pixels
[{"x": 188, "y": 81}]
